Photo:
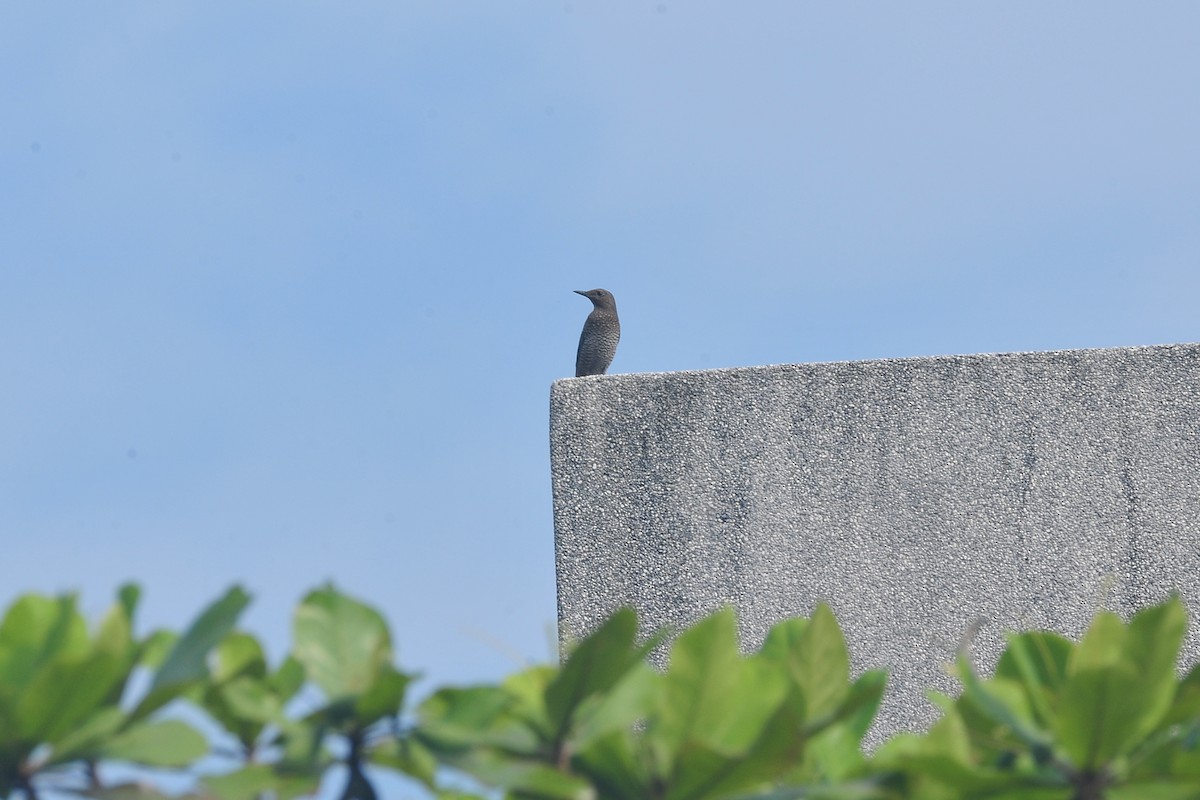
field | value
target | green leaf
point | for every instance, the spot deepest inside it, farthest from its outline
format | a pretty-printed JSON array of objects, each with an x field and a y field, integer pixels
[
  {"x": 69, "y": 688},
  {"x": 154, "y": 649},
  {"x": 185, "y": 664},
  {"x": 452, "y": 720},
  {"x": 612, "y": 763},
  {"x": 65, "y": 693},
  {"x": 126, "y": 791},
  {"x": 860, "y": 706},
  {"x": 1154, "y": 637},
  {"x": 528, "y": 689},
  {"x": 303, "y": 750},
  {"x": 247, "y": 783},
  {"x": 633, "y": 698},
  {"x": 1099, "y": 710},
  {"x": 545, "y": 783},
  {"x": 1154, "y": 790},
  {"x": 595, "y": 665},
  {"x": 35, "y": 631},
  {"x": 999, "y": 706},
  {"x": 128, "y": 597},
  {"x": 714, "y": 703},
  {"x": 1120, "y": 684},
  {"x": 167, "y": 743},
  {"x": 249, "y": 700},
  {"x": 258, "y": 780},
  {"x": 816, "y": 656},
  {"x": 1037, "y": 660},
  {"x": 84, "y": 740},
  {"x": 408, "y": 756},
  {"x": 239, "y": 654},
  {"x": 866, "y": 789},
  {"x": 342, "y": 643},
  {"x": 186, "y": 661},
  {"x": 288, "y": 679},
  {"x": 383, "y": 698}
]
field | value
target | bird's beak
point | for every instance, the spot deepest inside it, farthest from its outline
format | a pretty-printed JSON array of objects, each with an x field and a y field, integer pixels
[{"x": 577, "y": 291}]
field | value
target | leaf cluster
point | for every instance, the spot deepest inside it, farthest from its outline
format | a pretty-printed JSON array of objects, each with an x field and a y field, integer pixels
[{"x": 1107, "y": 717}]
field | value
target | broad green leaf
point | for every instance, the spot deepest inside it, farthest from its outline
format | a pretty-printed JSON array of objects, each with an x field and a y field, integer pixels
[
  {"x": 1020, "y": 793},
  {"x": 64, "y": 693},
  {"x": 248, "y": 783},
  {"x": 288, "y": 679},
  {"x": 817, "y": 659},
  {"x": 468, "y": 710},
  {"x": 186, "y": 661},
  {"x": 595, "y": 665},
  {"x": 862, "y": 704},
  {"x": 545, "y": 783},
  {"x": 1097, "y": 715},
  {"x": 1121, "y": 683},
  {"x": 1184, "y": 763},
  {"x": 303, "y": 748},
  {"x": 702, "y": 772},
  {"x": 342, "y": 643},
  {"x": 1102, "y": 645},
  {"x": 612, "y": 763},
  {"x": 85, "y": 739},
  {"x": 249, "y": 700},
  {"x": 1037, "y": 660},
  {"x": 1152, "y": 645},
  {"x": 712, "y": 697},
  {"x": 383, "y": 698},
  {"x": 949, "y": 739},
  {"x": 186, "y": 664},
  {"x": 835, "y": 754},
  {"x": 1154, "y": 790},
  {"x": 154, "y": 649},
  {"x": 408, "y": 756},
  {"x": 236, "y": 655},
  {"x": 528, "y": 688},
  {"x": 452, "y": 720},
  {"x": 128, "y": 597},
  {"x": 997, "y": 707},
  {"x": 633, "y": 698},
  {"x": 115, "y": 634},
  {"x": 115, "y": 638},
  {"x": 35, "y": 631},
  {"x": 127, "y": 791},
  {"x": 866, "y": 789},
  {"x": 166, "y": 743},
  {"x": 858, "y": 708},
  {"x": 783, "y": 638},
  {"x": 778, "y": 748},
  {"x": 1186, "y": 705}
]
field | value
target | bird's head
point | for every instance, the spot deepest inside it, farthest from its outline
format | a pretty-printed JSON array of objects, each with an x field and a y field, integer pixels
[{"x": 601, "y": 298}]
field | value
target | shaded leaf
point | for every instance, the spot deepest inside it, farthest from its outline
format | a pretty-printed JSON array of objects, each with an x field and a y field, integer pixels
[
  {"x": 166, "y": 743},
  {"x": 342, "y": 643}
]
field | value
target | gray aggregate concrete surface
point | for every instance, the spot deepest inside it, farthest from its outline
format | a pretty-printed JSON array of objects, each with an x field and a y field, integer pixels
[{"x": 916, "y": 496}]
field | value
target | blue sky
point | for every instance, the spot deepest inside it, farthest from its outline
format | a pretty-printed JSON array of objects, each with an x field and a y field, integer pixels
[{"x": 283, "y": 286}]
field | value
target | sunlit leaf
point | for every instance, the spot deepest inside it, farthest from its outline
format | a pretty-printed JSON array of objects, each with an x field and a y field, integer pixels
[{"x": 342, "y": 643}]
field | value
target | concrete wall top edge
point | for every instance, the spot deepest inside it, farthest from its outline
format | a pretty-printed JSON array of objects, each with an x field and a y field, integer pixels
[{"x": 1071, "y": 353}]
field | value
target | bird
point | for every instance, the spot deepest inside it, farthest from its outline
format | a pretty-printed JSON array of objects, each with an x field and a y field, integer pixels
[{"x": 601, "y": 332}]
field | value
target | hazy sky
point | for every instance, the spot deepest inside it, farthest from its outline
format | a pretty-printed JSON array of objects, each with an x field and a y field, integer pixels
[{"x": 283, "y": 285}]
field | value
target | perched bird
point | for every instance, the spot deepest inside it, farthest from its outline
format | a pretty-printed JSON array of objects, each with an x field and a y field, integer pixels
[{"x": 601, "y": 332}]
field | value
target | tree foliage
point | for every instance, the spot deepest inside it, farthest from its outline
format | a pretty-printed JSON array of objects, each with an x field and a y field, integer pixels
[{"x": 1107, "y": 717}]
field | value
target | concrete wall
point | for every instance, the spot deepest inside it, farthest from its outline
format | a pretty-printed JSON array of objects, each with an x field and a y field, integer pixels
[{"x": 915, "y": 496}]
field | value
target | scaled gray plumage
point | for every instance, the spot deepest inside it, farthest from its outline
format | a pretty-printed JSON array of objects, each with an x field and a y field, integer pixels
[{"x": 601, "y": 332}]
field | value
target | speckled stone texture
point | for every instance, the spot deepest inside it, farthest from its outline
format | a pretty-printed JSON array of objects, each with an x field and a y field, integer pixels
[{"x": 915, "y": 496}]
